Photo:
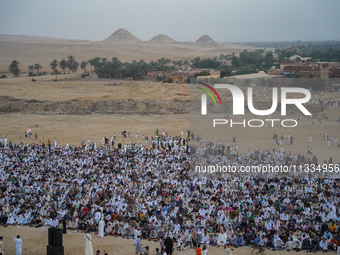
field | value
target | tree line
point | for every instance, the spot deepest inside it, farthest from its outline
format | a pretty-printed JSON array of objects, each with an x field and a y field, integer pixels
[
  {"x": 247, "y": 62},
  {"x": 71, "y": 64}
]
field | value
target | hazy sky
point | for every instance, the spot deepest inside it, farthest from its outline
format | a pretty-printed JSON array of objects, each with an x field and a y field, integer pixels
[{"x": 183, "y": 20}]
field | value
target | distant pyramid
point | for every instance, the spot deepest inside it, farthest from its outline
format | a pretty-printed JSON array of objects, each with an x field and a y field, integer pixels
[
  {"x": 122, "y": 36},
  {"x": 205, "y": 39},
  {"x": 162, "y": 38}
]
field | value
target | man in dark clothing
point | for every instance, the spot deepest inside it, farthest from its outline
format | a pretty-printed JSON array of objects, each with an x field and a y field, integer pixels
[
  {"x": 169, "y": 244},
  {"x": 324, "y": 227},
  {"x": 306, "y": 245},
  {"x": 314, "y": 246}
]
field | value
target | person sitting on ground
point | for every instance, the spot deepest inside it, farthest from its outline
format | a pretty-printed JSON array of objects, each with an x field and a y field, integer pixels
[
  {"x": 289, "y": 244},
  {"x": 324, "y": 245},
  {"x": 238, "y": 241},
  {"x": 306, "y": 244}
]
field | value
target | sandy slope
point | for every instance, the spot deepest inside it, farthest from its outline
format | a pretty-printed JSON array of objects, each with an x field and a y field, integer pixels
[{"x": 35, "y": 241}]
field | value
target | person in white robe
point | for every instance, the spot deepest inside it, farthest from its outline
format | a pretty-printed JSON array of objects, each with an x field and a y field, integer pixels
[
  {"x": 221, "y": 238},
  {"x": 101, "y": 228},
  {"x": 137, "y": 233},
  {"x": 97, "y": 217},
  {"x": 338, "y": 251},
  {"x": 18, "y": 245},
  {"x": 10, "y": 220},
  {"x": 88, "y": 244}
]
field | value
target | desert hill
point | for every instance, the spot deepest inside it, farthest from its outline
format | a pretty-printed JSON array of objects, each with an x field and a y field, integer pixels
[
  {"x": 162, "y": 38},
  {"x": 29, "y": 50},
  {"x": 37, "y": 39},
  {"x": 122, "y": 36},
  {"x": 205, "y": 39}
]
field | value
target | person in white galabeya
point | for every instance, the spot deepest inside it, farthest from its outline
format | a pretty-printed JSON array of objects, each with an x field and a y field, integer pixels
[
  {"x": 101, "y": 227},
  {"x": 88, "y": 244},
  {"x": 19, "y": 245}
]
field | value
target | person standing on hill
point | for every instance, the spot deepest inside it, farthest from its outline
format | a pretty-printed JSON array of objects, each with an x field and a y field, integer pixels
[
  {"x": 19, "y": 245},
  {"x": 88, "y": 244},
  {"x": 169, "y": 244}
]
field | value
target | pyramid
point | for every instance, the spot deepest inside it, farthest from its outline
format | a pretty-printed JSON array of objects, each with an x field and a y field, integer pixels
[
  {"x": 162, "y": 38},
  {"x": 122, "y": 36},
  {"x": 205, "y": 39}
]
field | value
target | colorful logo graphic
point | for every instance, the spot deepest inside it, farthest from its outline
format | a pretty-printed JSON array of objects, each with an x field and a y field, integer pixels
[{"x": 213, "y": 90}]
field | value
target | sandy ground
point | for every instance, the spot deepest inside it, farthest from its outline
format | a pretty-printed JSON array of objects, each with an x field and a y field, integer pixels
[
  {"x": 72, "y": 129},
  {"x": 28, "y": 53},
  {"x": 36, "y": 239},
  {"x": 92, "y": 89}
]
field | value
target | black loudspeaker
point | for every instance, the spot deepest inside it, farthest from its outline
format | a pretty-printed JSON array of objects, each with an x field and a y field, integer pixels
[
  {"x": 58, "y": 238},
  {"x": 51, "y": 236},
  {"x": 51, "y": 250},
  {"x": 55, "y": 237}
]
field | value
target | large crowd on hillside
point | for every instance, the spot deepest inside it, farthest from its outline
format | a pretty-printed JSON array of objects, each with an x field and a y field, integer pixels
[{"x": 152, "y": 193}]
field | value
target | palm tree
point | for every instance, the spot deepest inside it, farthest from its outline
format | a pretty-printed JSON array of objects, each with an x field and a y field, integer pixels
[
  {"x": 175, "y": 64},
  {"x": 30, "y": 70},
  {"x": 180, "y": 63},
  {"x": 54, "y": 67},
  {"x": 70, "y": 63},
  {"x": 83, "y": 65},
  {"x": 63, "y": 65},
  {"x": 186, "y": 64},
  {"x": 163, "y": 62},
  {"x": 116, "y": 63},
  {"x": 75, "y": 66},
  {"x": 94, "y": 62},
  {"x": 37, "y": 67}
]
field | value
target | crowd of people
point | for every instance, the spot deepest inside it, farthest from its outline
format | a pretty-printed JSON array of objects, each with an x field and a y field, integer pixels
[{"x": 153, "y": 193}]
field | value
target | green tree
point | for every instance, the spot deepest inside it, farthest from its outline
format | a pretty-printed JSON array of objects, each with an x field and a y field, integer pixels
[
  {"x": 75, "y": 66},
  {"x": 63, "y": 65},
  {"x": 83, "y": 65},
  {"x": 226, "y": 71},
  {"x": 269, "y": 58},
  {"x": 30, "y": 70},
  {"x": 37, "y": 67},
  {"x": 235, "y": 61},
  {"x": 71, "y": 63},
  {"x": 186, "y": 64},
  {"x": 203, "y": 73},
  {"x": 163, "y": 62},
  {"x": 180, "y": 64},
  {"x": 54, "y": 66},
  {"x": 14, "y": 68},
  {"x": 175, "y": 64},
  {"x": 94, "y": 62}
]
